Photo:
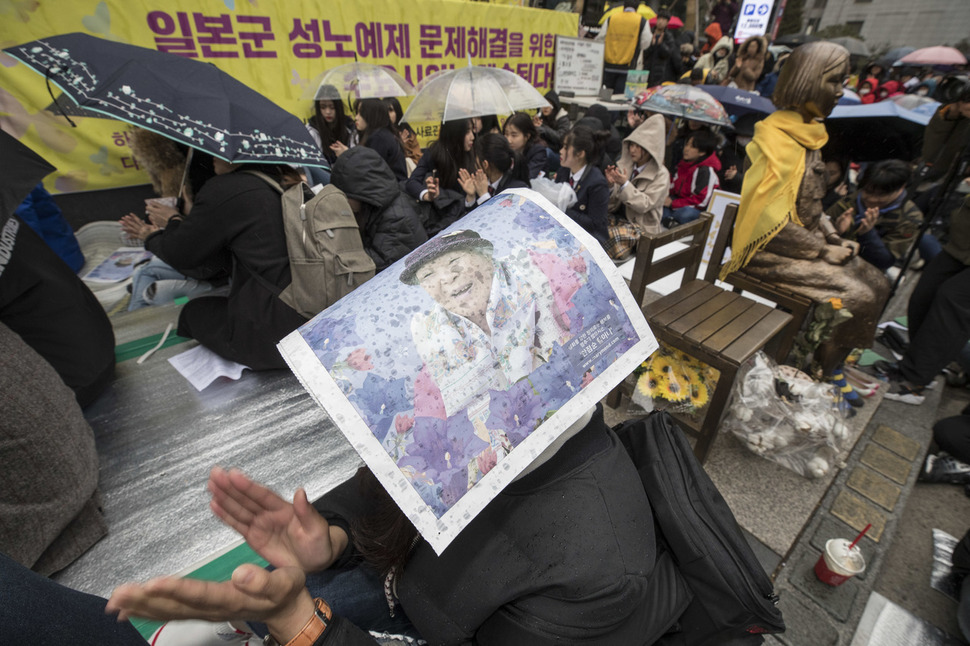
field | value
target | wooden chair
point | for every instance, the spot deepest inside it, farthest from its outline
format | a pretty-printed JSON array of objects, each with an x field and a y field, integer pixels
[
  {"x": 721, "y": 328},
  {"x": 800, "y": 307}
]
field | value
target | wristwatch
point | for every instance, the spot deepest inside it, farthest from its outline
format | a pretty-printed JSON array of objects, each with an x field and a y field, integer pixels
[{"x": 322, "y": 615}]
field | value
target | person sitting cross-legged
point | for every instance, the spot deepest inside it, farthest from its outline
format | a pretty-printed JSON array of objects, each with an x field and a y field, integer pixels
[{"x": 694, "y": 181}]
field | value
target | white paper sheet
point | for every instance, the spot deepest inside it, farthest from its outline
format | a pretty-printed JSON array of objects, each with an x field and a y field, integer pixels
[
  {"x": 445, "y": 414},
  {"x": 201, "y": 366}
]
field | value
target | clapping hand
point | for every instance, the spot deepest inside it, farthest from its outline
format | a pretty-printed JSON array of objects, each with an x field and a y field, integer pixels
[
  {"x": 284, "y": 534},
  {"x": 481, "y": 182},
  {"x": 868, "y": 220},
  {"x": 159, "y": 214},
  {"x": 279, "y": 598},
  {"x": 615, "y": 176},
  {"x": 844, "y": 221},
  {"x": 467, "y": 182},
  {"x": 135, "y": 227}
]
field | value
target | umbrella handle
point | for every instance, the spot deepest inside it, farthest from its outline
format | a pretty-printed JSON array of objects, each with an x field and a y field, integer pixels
[{"x": 47, "y": 77}]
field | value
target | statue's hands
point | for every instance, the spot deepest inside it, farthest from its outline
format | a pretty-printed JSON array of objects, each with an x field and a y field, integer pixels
[{"x": 836, "y": 254}]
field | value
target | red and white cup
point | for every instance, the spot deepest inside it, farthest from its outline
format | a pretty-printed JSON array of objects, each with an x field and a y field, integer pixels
[{"x": 838, "y": 563}]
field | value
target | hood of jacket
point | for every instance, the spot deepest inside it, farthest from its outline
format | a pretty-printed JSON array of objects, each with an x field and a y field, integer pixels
[
  {"x": 600, "y": 113},
  {"x": 650, "y": 136},
  {"x": 713, "y": 31},
  {"x": 363, "y": 174},
  {"x": 724, "y": 42},
  {"x": 553, "y": 99}
]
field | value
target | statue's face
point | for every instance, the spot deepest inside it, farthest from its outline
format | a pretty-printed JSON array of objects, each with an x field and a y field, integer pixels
[{"x": 831, "y": 89}]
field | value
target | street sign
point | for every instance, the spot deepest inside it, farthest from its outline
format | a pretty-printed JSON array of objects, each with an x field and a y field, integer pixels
[{"x": 753, "y": 20}]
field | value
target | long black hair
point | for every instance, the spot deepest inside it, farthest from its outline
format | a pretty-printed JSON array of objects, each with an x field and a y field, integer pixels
[
  {"x": 448, "y": 153},
  {"x": 374, "y": 114},
  {"x": 393, "y": 104},
  {"x": 495, "y": 149},
  {"x": 339, "y": 130},
  {"x": 588, "y": 141}
]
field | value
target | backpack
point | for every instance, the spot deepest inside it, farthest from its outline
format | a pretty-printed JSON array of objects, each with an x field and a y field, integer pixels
[
  {"x": 733, "y": 597},
  {"x": 327, "y": 256}
]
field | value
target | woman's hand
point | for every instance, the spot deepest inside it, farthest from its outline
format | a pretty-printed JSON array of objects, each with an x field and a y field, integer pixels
[
  {"x": 836, "y": 254},
  {"x": 432, "y": 188},
  {"x": 537, "y": 119},
  {"x": 338, "y": 148},
  {"x": 160, "y": 214},
  {"x": 135, "y": 227},
  {"x": 618, "y": 177},
  {"x": 467, "y": 182},
  {"x": 278, "y": 598},
  {"x": 282, "y": 533},
  {"x": 481, "y": 182}
]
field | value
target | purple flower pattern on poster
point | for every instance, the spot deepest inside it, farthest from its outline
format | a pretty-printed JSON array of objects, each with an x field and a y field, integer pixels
[{"x": 404, "y": 398}]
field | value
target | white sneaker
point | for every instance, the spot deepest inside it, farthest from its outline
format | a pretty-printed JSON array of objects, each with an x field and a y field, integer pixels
[{"x": 192, "y": 632}]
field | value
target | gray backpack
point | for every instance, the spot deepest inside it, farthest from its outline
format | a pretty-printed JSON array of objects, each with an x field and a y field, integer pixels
[{"x": 327, "y": 257}]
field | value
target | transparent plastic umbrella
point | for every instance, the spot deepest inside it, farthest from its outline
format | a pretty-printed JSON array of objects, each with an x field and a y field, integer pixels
[
  {"x": 683, "y": 101},
  {"x": 472, "y": 91},
  {"x": 359, "y": 81}
]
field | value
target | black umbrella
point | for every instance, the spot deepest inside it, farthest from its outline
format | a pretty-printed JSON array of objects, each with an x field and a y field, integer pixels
[
  {"x": 20, "y": 171},
  {"x": 194, "y": 103},
  {"x": 876, "y": 131},
  {"x": 738, "y": 102},
  {"x": 794, "y": 40}
]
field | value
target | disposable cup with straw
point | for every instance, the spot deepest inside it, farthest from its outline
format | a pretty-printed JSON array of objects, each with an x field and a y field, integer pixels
[{"x": 841, "y": 560}]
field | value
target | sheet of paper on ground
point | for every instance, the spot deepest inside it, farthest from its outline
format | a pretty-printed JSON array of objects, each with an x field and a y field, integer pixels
[{"x": 446, "y": 411}]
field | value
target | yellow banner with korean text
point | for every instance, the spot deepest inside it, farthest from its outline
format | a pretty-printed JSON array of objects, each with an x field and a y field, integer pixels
[{"x": 277, "y": 48}]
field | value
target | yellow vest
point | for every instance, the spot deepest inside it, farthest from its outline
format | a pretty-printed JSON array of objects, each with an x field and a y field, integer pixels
[{"x": 622, "y": 38}]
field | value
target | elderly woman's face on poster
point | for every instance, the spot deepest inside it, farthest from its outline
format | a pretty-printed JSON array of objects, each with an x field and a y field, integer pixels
[{"x": 460, "y": 281}]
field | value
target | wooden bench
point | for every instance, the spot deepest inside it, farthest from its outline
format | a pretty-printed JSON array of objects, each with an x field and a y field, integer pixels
[
  {"x": 721, "y": 328},
  {"x": 800, "y": 307}
]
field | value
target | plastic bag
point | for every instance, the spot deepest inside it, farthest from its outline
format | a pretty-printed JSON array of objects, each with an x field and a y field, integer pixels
[
  {"x": 780, "y": 414},
  {"x": 561, "y": 194}
]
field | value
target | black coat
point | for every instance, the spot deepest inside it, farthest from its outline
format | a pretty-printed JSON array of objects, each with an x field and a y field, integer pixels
[
  {"x": 239, "y": 213},
  {"x": 535, "y": 158},
  {"x": 448, "y": 207},
  {"x": 53, "y": 311},
  {"x": 663, "y": 60},
  {"x": 390, "y": 226},
  {"x": 592, "y": 201},
  {"x": 390, "y": 150},
  {"x": 565, "y": 554}
]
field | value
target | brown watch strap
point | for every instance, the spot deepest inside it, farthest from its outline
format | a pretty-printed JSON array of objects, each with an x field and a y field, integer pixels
[{"x": 315, "y": 626}]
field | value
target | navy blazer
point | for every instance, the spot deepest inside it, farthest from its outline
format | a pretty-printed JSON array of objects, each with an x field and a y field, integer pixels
[{"x": 592, "y": 201}]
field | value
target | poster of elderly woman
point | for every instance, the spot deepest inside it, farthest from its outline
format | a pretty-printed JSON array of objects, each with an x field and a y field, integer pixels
[{"x": 453, "y": 369}]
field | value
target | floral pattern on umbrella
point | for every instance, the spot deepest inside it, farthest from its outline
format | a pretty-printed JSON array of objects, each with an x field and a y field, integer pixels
[
  {"x": 189, "y": 101},
  {"x": 683, "y": 101}
]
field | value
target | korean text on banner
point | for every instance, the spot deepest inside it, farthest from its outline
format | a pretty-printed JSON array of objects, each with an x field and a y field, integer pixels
[
  {"x": 275, "y": 48},
  {"x": 753, "y": 19}
]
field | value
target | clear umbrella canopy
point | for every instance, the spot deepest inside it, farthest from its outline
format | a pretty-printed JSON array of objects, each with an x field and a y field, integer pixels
[
  {"x": 358, "y": 81},
  {"x": 472, "y": 91},
  {"x": 683, "y": 101}
]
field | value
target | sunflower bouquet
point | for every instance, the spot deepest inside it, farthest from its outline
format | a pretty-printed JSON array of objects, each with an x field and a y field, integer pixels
[{"x": 673, "y": 379}]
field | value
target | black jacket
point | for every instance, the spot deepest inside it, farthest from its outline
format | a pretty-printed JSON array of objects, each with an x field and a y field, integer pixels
[
  {"x": 565, "y": 554},
  {"x": 663, "y": 60},
  {"x": 592, "y": 201},
  {"x": 240, "y": 214},
  {"x": 535, "y": 158},
  {"x": 448, "y": 207},
  {"x": 390, "y": 226},
  {"x": 390, "y": 150}
]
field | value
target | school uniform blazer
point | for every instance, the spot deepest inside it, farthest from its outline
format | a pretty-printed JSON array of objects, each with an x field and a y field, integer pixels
[{"x": 592, "y": 201}]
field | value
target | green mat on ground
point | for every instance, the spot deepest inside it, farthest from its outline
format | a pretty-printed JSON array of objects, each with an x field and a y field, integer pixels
[
  {"x": 138, "y": 347},
  {"x": 218, "y": 569},
  {"x": 869, "y": 357},
  {"x": 902, "y": 320}
]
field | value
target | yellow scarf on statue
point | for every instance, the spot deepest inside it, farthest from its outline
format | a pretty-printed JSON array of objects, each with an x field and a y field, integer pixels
[{"x": 777, "y": 155}]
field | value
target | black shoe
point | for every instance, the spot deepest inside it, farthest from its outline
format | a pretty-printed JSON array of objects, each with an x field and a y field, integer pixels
[
  {"x": 886, "y": 369},
  {"x": 946, "y": 469}
]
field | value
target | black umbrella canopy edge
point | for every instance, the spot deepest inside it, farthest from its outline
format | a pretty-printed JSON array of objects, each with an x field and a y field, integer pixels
[{"x": 302, "y": 151}]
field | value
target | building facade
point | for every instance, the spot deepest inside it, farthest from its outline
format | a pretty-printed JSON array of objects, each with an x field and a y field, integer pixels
[{"x": 883, "y": 24}]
